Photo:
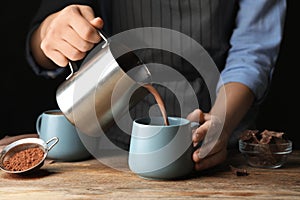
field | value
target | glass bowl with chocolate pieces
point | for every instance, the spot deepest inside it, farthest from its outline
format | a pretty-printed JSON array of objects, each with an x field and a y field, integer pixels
[{"x": 266, "y": 149}]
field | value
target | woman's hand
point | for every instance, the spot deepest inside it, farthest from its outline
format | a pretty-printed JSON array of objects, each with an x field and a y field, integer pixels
[
  {"x": 232, "y": 103},
  {"x": 66, "y": 35},
  {"x": 210, "y": 133}
]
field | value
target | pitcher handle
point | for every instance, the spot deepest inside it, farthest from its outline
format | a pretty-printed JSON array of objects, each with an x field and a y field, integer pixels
[
  {"x": 54, "y": 140},
  {"x": 73, "y": 65},
  {"x": 104, "y": 38}
]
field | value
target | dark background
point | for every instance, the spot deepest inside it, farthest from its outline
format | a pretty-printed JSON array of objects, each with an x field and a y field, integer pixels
[{"x": 24, "y": 95}]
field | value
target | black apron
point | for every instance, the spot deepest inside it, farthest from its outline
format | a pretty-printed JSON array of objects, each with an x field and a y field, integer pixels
[{"x": 209, "y": 22}]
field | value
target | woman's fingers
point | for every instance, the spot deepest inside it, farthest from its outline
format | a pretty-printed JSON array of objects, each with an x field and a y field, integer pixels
[
  {"x": 62, "y": 52},
  {"x": 77, "y": 42},
  {"x": 194, "y": 116},
  {"x": 211, "y": 153},
  {"x": 200, "y": 132},
  {"x": 71, "y": 34},
  {"x": 210, "y": 160},
  {"x": 97, "y": 22},
  {"x": 79, "y": 18},
  {"x": 213, "y": 144}
]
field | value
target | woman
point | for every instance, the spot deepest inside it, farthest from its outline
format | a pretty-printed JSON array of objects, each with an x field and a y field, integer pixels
[{"x": 242, "y": 37}]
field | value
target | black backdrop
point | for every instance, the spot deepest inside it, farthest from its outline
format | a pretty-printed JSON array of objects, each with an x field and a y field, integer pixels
[{"x": 24, "y": 95}]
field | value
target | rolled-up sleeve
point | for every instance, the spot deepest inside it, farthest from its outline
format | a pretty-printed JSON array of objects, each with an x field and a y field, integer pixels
[{"x": 255, "y": 45}]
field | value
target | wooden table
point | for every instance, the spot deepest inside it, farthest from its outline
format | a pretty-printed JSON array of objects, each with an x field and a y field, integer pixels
[{"x": 92, "y": 180}]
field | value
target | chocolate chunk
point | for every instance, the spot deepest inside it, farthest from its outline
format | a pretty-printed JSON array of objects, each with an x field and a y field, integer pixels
[{"x": 238, "y": 171}]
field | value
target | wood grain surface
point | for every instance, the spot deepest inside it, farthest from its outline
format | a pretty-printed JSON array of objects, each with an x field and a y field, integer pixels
[{"x": 92, "y": 180}]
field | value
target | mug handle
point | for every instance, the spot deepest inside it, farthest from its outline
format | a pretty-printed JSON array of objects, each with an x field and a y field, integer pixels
[
  {"x": 194, "y": 125},
  {"x": 38, "y": 124}
]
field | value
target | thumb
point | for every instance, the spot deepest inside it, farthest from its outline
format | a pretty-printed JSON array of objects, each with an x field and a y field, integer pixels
[
  {"x": 97, "y": 22},
  {"x": 197, "y": 115}
]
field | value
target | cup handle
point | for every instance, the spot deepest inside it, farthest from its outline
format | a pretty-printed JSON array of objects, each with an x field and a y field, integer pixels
[
  {"x": 38, "y": 124},
  {"x": 55, "y": 140},
  {"x": 194, "y": 125}
]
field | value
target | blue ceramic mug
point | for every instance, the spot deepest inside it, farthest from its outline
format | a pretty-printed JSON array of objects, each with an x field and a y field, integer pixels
[
  {"x": 161, "y": 152},
  {"x": 53, "y": 123}
]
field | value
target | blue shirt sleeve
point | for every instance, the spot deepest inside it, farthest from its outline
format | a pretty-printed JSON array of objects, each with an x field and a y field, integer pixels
[{"x": 255, "y": 44}]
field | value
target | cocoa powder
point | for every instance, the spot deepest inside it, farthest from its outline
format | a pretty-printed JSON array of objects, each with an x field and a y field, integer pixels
[{"x": 24, "y": 159}]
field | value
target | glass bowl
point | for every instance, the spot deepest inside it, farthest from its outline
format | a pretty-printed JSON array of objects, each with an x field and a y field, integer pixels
[{"x": 265, "y": 155}]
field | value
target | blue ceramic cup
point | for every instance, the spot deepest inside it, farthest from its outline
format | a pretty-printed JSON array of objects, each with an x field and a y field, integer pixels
[
  {"x": 161, "y": 152},
  {"x": 53, "y": 123}
]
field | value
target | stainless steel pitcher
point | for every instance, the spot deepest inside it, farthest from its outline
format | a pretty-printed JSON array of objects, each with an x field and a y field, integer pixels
[{"x": 85, "y": 97}]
